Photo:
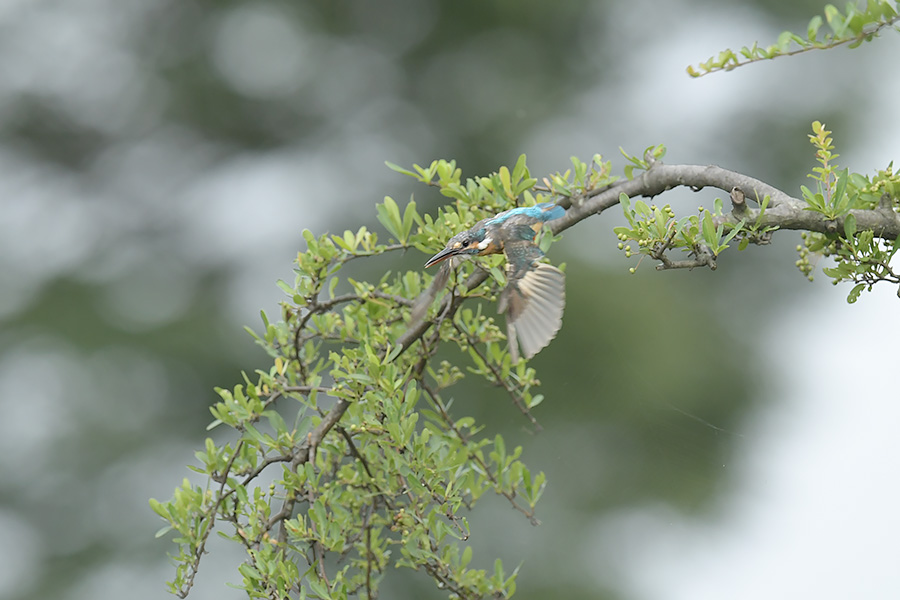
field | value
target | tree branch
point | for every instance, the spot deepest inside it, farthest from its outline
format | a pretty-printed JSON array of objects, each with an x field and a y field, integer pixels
[{"x": 784, "y": 211}]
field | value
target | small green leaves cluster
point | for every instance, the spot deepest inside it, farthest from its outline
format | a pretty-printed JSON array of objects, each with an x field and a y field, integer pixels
[
  {"x": 487, "y": 195},
  {"x": 653, "y": 231},
  {"x": 831, "y": 197},
  {"x": 492, "y": 192},
  {"x": 583, "y": 180},
  {"x": 860, "y": 257},
  {"x": 397, "y": 226},
  {"x": 871, "y": 190},
  {"x": 853, "y": 26},
  {"x": 647, "y": 225},
  {"x": 839, "y": 199},
  {"x": 343, "y": 459},
  {"x": 643, "y": 162}
]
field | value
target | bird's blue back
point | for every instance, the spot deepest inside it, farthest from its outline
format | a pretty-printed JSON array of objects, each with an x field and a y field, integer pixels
[{"x": 545, "y": 211}]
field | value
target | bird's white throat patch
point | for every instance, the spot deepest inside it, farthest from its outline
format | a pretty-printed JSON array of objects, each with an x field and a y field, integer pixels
[{"x": 484, "y": 243}]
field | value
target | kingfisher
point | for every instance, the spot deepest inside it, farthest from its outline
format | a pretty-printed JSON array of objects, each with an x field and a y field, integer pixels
[{"x": 535, "y": 292}]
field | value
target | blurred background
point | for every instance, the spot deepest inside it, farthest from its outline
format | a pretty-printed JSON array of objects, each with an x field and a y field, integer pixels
[{"x": 707, "y": 434}]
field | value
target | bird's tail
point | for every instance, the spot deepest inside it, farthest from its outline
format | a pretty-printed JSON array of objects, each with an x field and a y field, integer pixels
[{"x": 535, "y": 303}]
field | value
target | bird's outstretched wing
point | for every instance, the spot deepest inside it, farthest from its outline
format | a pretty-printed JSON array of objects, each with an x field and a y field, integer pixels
[{"x": 534, "y": 297}]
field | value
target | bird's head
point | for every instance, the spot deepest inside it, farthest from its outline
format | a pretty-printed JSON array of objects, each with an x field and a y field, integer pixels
[{"x": 468, "y": 243}]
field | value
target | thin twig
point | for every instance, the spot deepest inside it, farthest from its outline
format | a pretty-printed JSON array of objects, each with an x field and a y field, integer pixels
[{"x": 499, "y": 379}]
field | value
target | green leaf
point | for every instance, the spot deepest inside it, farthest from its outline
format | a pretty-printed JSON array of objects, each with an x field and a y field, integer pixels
[
  {"x": 499, "y": 447},
  {"x": 389, "y": 216},
  {"x": 317, "y": 586},
  {"x": 641, "y": 208},
  {"x": 498, "y": 570},
  {"x": 410, "y": 216},
  {"x": 249, "y": 572},
  {"x": 400, "y": 169},
  {"x": 849, "y": 226},
  {"x": 784, "y": 41},
  {"x": 163, "y": 531},
  {"x": 426, "y": 175},
  {"x": 812, "y": 30},
  {"x": 709, "y": 230},
  {"x": 841, "y": 187},
  {"x": 737, "y": 228},
  {"x": 625, "y": 201},
  {"x": 466, "y": 557},
  {"x": 523, "y": 186},
  {"x": 520, "y": 171},
  {"x": 159, "y": 508},
  {"x": 276, "y": 421},
  {"x": 331, "y": 285},
  {"x": 833, "y": 17},
  {"x": 853, "y": 296},
  {"x": 504, "y": 181}
]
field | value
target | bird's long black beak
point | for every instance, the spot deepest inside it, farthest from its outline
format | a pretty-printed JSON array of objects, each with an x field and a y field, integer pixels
[{"x": 442, "y": 256}]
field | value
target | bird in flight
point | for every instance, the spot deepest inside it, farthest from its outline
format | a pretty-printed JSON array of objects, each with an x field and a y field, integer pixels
[{"x": 535, "y": 293}]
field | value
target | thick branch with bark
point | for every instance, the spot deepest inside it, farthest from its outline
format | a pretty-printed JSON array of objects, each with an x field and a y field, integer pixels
[{"x": 784, "y": 211}]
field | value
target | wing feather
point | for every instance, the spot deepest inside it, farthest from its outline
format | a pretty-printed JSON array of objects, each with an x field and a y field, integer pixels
[{"x": 535, "y": 304}]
